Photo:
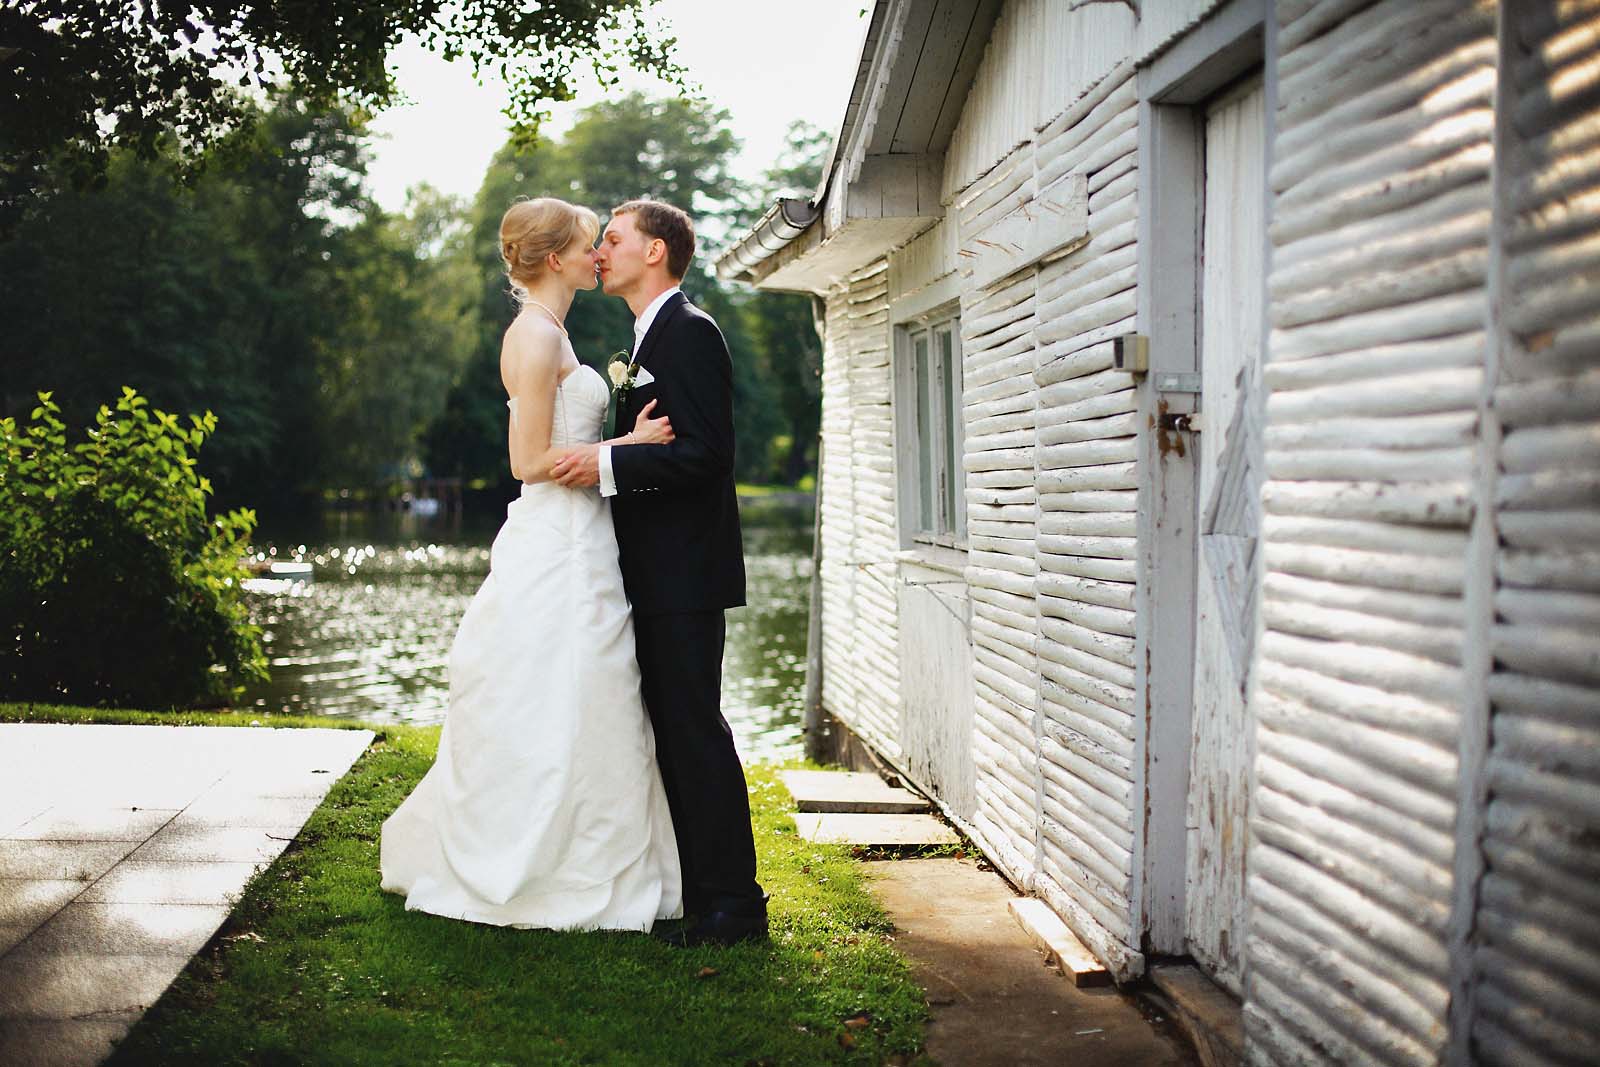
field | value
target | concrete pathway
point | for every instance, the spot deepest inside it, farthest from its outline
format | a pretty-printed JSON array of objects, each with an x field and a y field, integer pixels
[
  {"x": 121, "y": 850},
  {"x": 994, "y": 998}
]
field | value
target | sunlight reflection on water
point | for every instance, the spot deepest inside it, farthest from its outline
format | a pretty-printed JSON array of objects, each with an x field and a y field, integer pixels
[{"x": 370, "y": 636}]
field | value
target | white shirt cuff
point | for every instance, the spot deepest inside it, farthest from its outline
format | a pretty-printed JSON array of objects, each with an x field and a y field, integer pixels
[{"x": 608, "y": 480}]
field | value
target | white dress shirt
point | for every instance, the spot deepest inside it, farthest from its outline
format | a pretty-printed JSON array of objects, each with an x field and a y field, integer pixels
[{"x": 641, "y": 326}]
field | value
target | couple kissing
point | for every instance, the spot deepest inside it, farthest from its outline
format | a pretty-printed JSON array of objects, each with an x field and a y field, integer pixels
[{"x": 586, "y": 777}]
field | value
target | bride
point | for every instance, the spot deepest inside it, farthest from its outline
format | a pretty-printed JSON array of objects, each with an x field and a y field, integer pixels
[{"x": 545, "y": 806}]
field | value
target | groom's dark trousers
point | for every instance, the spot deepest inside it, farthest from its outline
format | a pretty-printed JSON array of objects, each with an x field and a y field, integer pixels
[
  {"x": 680, "y": 658},
  {"x": 678, "y": 538}
]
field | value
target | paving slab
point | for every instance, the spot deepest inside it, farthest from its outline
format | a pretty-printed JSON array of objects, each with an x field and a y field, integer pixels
[
  {"x": 62, "y": 1042},
  {"x": 227, "y": 808},
  {"x": 855, "y": 829},
  {"x": 93, "y": 824},
  {"x": 16, "y": 810},
  {"x": 79, "y": 985},
  {"x": 251, "y": 844},
  {"x": 11, "y": 936},
  {"x": 169, "y": 882},
  {"x": 79, "y": 861},
  {"x": 995, "y": 999},
  {"x": 91, "y": 927},
  {"x": 850, "y": 791},
  {"x": 121, "y": 852},
  {"x": 30, "y": 901}
]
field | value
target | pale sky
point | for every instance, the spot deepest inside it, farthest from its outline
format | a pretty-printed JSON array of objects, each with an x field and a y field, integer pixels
[{"x": 768, "y": 62}]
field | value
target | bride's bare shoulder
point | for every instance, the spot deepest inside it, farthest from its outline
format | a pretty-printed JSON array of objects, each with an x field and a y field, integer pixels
[
  {"x": 531, "y": 346},
  {"x": 533, "y": 334}
]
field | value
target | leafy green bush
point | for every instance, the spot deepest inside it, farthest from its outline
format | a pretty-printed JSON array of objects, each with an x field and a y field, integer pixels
[{"x": 115, "y": 587}]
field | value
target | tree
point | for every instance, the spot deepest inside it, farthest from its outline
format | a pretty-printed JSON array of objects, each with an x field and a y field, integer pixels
[
  {"x": 209, "y": 296},
  {"x": 322, "y": 331},
  {"x": 784, "y": 332},
  {"x": 80, "y": 79},
  {"x": 795, "y": 173},
  {"x": 402, "y": 332},
  {"x": 782, "y": 324}
]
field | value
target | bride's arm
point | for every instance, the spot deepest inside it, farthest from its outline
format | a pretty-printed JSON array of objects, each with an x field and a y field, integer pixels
[{"x": 530, "y": 366}]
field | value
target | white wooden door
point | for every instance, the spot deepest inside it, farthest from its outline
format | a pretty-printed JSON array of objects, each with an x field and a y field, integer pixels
[{"x": 1230, "y": 353}]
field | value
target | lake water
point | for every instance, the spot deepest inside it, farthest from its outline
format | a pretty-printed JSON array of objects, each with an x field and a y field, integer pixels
[{"x": 370, "y": 636}]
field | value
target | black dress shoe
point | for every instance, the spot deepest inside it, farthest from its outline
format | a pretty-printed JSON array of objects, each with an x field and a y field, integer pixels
[{"x": 718, "y": 928}]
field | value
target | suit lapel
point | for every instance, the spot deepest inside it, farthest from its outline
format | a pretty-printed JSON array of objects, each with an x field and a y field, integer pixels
[{"x": 647, "y": 347}]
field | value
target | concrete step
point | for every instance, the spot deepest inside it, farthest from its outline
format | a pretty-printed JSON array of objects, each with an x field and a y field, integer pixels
[
  {"x": 850, "y": 791},
  {"x": 853, "y": 828},
  {"x": 1208, "y": 1014}
]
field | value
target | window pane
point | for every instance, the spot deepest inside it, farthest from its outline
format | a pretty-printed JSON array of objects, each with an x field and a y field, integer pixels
[
  {"x": 925, "y": 417},
  {"x": 950, "y": 391}
]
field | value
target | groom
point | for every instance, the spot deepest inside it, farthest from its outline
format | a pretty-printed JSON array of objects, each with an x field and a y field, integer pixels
[{"x": 677, "y": 524}]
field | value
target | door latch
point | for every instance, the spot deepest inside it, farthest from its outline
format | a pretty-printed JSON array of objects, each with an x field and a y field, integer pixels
[{"x": 1185, "y": 421}]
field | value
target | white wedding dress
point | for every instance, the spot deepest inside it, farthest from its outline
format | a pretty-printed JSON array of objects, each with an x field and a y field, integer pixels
[{"x": 544, "y": 807}]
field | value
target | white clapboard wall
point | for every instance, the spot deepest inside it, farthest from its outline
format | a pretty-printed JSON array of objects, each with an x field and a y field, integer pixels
[
  {"x": 876, "y": 538},
  {"x": 1537, "y": 956},
  {"x": 1087, "y": 493},
  {"x": 1047, "y": 137},
  {"x": 1042, "y": 55},
  {"x": 1375, "y": 364},
  {"x": 860, "y": 675},
  {"x": 837, "y": 502},
  {"x": 997, "y": 373}
]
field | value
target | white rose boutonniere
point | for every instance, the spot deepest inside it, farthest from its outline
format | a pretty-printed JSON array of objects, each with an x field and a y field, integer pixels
[{"x": 622, "y": 372}]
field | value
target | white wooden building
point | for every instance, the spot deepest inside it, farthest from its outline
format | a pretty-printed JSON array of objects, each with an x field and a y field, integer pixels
[{"x": 1210, "y": 502}]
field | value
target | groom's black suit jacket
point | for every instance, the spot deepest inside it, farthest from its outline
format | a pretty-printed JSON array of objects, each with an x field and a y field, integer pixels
[{"x": 675, "y": 512}]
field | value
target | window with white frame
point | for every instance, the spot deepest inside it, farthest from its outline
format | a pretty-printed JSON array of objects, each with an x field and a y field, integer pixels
[{"x": 928, "y": 431}]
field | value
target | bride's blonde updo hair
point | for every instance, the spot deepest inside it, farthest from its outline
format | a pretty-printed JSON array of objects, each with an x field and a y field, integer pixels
[{"x": 532, "y": 229}]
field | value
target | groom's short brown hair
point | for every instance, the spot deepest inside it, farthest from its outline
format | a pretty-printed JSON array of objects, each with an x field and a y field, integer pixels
[{"x": 670, "y": 225}]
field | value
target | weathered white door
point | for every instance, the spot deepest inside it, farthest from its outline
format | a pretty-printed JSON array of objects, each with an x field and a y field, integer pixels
[{"x": 1230, "y": 353}]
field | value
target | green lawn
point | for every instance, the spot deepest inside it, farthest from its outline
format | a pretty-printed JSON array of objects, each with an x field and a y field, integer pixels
[{"x": 317, "y": 966}]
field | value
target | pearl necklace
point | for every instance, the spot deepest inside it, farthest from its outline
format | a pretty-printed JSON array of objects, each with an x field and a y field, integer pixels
[{"x": 553, "y": 316}]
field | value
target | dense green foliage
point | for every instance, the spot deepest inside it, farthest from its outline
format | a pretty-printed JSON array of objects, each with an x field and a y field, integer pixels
[
  {"x": 346, "y": 347},
  {"x": 321, "y": 330},
  {"x": 80, "y": 79},
  {"x": 115, "y": 585},
  {"x": 317, "y": 966}
]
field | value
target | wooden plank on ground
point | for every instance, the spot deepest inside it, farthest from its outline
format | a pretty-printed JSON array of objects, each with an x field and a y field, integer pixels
[
  {"x": 1059, "y": 943},
  {"x": 850, "y": 791}
]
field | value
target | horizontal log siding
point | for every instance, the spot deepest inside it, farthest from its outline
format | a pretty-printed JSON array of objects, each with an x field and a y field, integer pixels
[
  {"x": 996, "y": 346},
  {"x": 839, "y": 683},
  {"x": 1537, "y": 954},
  {"x": 1378, "y": 306},
  {"x": 1042, "y": 55},
  {"x": 860, "y": 670},
  {"x": 1087, "y": 490},
  {"x": 874, "y": 536}
]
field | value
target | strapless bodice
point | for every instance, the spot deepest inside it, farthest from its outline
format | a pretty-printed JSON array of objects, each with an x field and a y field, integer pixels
[{"x": 581, "y": 401}]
